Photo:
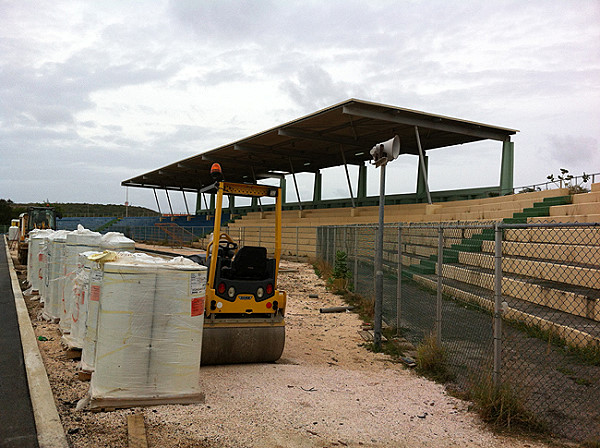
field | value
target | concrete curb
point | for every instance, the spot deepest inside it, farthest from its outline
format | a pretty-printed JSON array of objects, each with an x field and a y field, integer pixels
[{"x": 50, "y": 431}]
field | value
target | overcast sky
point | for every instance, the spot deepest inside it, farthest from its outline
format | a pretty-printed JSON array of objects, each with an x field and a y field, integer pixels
[{"x": 93, "y": 93}]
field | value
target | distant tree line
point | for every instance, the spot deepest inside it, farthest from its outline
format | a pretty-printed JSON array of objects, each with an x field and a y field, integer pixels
[{"x": 9, "y": 210}]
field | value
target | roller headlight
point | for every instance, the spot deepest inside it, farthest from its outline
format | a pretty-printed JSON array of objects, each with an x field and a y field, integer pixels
[
  {"x": 260, "y": 293},
  {"x": 231, "y": 292}
]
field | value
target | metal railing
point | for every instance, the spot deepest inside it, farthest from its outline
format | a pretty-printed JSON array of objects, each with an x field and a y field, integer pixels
[
  {"x": 517, "y": 305},
  {"x": 580, "y": 181}
]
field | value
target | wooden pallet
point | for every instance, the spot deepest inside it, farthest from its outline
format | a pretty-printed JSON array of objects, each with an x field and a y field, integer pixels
[
  {"x": 84, "y": 375},
  {"x": 71, "y": 351},
  {"x": 136, "y": 431},
  {"x": 110, "y": 404},
  {"x": 369, "y": 336}
]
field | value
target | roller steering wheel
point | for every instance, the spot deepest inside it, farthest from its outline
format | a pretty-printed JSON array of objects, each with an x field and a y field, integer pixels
[{"x": 227, "y": 245}]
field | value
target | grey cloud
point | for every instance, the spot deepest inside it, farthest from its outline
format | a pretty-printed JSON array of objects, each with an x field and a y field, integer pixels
[
  {"x": 574, "y": 151},
  {"x": 314, "y": 87}
]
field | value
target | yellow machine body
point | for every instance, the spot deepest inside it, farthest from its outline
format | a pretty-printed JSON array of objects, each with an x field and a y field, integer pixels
[{"x": 241, "y": 326}]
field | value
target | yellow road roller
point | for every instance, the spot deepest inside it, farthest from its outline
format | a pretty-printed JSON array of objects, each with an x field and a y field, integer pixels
[{"x": 244, "y": 309}]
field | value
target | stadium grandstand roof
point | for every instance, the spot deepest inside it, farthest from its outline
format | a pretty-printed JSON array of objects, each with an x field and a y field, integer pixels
[{"x": 339, "y": 134}]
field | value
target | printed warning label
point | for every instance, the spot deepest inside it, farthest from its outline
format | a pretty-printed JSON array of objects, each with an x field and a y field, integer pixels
[
  {"x": 96, "y": 276},
  {"x": 197, "y": 283},
  {"x": 95, "y": 293},
  {"x": 197, "y": 306}
]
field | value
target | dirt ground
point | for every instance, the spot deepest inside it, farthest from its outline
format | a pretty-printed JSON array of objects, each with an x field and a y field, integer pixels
[{"x": 326, "y": 391}]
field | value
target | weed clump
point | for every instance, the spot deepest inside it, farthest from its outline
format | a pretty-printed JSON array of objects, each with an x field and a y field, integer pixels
[
  {"x": 432, "y": 360},
  {"x": 502, "y": 406}
]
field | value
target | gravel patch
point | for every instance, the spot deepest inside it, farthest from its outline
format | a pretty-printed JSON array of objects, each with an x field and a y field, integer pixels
[{"x": 326, "y": 391}]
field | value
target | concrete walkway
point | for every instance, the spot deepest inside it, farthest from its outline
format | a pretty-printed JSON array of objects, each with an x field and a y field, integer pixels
[
  {"x": 28, "y": 415},
  {"x": 17, "y": 424}
]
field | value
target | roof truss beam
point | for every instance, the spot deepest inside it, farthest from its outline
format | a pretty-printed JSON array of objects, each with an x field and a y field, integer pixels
[
  {"x": 295, "y": 133},
  {"x": 437, "y": 123}
]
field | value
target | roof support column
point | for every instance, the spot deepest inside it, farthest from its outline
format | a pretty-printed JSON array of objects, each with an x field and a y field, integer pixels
[
  {"x": 212, "y": 203},
  {"x": 169, "y": 200},
  {"x": 199, "y": 197},
  {"x": 422, "y": 165},
  {"x": 231, "y": 204},
  {"x": 295, "y": 184},
  {"x": 507, "y": 167},
  {"x": 348, "y": 177},
  {"x": 317, "y": 187},
  {"x": 185, "y": 201},
  {"x": 422, "y": 181},
  {"x": 283, "y": 186},
  {"x": 255, "y": 199},
  {"x": 362, "y": 182},
  {"x": 157, "y": 203}
]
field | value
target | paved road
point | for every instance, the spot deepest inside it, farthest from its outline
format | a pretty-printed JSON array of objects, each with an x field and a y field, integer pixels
[{"x": 17, "y": 424}]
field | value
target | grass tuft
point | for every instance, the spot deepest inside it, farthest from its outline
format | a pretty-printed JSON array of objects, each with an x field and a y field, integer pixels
[
  {"x": 502, "y": 406},
  {"x": 432, "y": 360}
]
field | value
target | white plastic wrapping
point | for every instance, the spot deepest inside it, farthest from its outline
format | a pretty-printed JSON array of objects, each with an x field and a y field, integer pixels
[
  {"x": 44, "y": 269},
  {"x": 56, "y": 271},
  {"x": 117, "y": 242},
  {"x": 13, "y": 233},
  {"x": 124, "y": 331},
  {"x": 94, "y": 287},
  {"x": 177, "y": 328},
  {"x": 78, "y": 241},
  {"x": 149, "y": 330},
  {"x": 88, "y": 354},
  {"x": 35, "y": 258},
  {"x": 81, "y": 292}
]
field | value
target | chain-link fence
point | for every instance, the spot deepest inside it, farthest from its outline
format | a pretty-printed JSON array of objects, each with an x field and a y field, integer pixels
[
  {"x": 517, "y": 305},
  {"x": 166, "y": 234},
  {"x": 296, "y": 242}
]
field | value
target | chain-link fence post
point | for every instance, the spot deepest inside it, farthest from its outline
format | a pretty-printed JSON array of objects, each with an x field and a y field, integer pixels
[
  {"x": 399, "y": 282},
  {"x": 356, "y": 259},
  {"x": 326, "y": 241},
  {"x": 334, "y": 246},
  {"x": 438, "y": 306},
  {"x": 497, "y": 305}
]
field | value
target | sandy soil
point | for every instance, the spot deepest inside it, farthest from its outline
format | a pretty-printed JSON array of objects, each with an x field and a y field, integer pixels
[{"x": 326, "y": 391}]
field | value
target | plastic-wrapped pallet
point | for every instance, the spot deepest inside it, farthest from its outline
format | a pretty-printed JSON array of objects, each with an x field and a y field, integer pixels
[
  {"x": 36, "y": 258},
  {"x": 44, "y": 270},
  {"x": 95, "y": 263},
  {"x": 116, "y": 242},
  {"x": 56, "y": 247},
  {"x": 13, "y": 231},
  {"x": 88, "y": 353},
  {"x": 149, "y": 333},
  {"x": 78, "y": 241},
  {"x": 177, "y": 328},
  {"x": 81, "y": 295}
]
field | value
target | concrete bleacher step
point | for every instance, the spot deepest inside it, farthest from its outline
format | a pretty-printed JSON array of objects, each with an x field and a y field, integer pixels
[
  {"x": 533, "y": 212},
  {"x": 584, "y": 275},
  {"x": 449, "y": 256},
  {"x": 568, "y": 298},
  {"x": 574, "y": 329},
  {"x": 555, "y": 200},
  {"x": 515, "y": 220},
  {"x": 570, "y": 253}
]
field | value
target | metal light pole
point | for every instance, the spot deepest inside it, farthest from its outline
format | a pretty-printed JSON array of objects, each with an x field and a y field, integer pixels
[
  {"x": 379, "y": 261},
  {"x": 382, "y": 153}
]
